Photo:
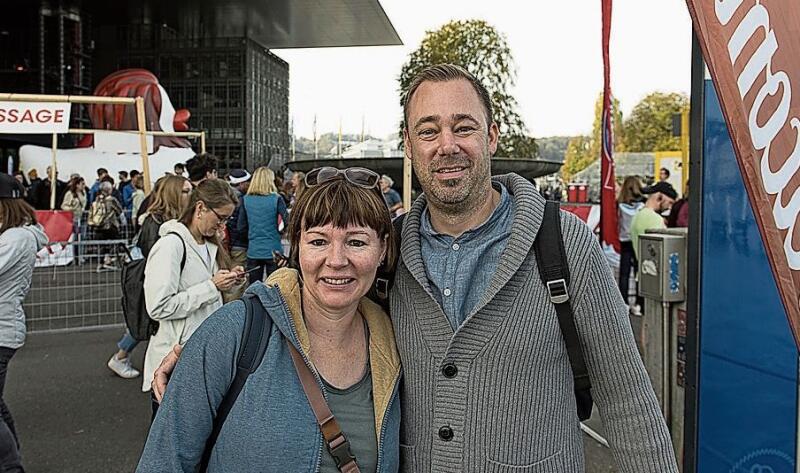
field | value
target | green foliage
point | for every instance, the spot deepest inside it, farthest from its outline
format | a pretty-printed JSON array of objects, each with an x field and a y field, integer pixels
[
  {"x": 553, "y": 148},
  {"x": 483, "y": 51},
  {"x": 584, "y": 150},
  {"x": 649, "y": 127},
  {"x": 577, "y": 157}
]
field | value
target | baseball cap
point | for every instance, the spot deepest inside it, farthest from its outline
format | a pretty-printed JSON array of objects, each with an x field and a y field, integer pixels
[
  {"x": 663, "y": 187},
  {"x": 10, "y": 188},
  {"x": 238, "y": 176}
]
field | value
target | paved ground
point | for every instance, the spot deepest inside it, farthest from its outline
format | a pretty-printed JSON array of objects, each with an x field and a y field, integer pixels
[{"x": 74, "y": 415}]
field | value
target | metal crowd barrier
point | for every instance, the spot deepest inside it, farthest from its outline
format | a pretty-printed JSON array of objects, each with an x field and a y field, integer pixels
[{"x": 79, "y": 288}]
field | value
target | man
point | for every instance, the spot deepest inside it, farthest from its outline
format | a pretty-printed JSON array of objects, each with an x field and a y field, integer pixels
[
  {"x": 39, "y": 193},
  {"x": 179, "y": 169},
  {"x": 101, "y": 173},
  {"x": 663, "y": 175},
  {"x": 487, "y": 382},
  {"x": 123, "y": 178},
  {"x": 240, "y": 181},
  {"x": 127, "y": 190},
  {"x": 661, "y": 196},
  {"x": 391, "y": 196},
  {"x": 201, "y": 167}
]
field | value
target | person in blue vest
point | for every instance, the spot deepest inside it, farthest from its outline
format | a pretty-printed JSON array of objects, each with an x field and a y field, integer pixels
[{"x": 259, "y": 220}]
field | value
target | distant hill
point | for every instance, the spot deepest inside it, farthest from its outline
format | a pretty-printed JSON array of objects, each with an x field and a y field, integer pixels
[{"x": 553, "y": 148}]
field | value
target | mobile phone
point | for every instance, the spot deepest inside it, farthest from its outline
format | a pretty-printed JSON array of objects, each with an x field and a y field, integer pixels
[{"x": 252, "y": 269}]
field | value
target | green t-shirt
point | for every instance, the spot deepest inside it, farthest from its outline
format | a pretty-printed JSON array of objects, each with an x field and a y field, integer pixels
[
  {"x": 355, "y": 412},
  {"x": 645, "y": 219}
]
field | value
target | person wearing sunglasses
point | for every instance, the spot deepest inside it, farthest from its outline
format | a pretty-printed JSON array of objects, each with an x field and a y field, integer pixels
[
  {"x": 340, "y": 233},
  {"x": 258, "y": 219},
  {"x": 186, "y": 270}
]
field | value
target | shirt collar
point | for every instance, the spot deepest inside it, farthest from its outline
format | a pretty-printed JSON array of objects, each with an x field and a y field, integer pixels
[{"x": 503, "y": 207}]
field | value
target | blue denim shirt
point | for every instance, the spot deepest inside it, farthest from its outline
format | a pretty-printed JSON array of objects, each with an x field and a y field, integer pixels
[{"x": 459, "y": 269}]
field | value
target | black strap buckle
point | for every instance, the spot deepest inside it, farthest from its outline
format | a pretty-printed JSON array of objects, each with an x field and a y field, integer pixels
[
  {"x": 382, "y": 288},
  {"x": 339, "y": 449},
  {"x": 558, "y": 291}
]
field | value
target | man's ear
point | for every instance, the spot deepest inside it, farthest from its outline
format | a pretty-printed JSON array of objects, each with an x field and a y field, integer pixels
[{"x": 494, "y": 136}]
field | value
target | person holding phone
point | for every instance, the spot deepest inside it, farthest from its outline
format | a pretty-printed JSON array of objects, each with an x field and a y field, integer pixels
[{"x": 186, "y": 271}]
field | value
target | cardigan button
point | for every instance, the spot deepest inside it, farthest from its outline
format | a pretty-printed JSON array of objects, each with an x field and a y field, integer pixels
[
  {"x": 449, "y": 370},
  {"x": 446, "y": 433}
]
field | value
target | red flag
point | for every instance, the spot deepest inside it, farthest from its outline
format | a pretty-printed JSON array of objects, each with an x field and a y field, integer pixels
[{"x": 609, "y": 234}]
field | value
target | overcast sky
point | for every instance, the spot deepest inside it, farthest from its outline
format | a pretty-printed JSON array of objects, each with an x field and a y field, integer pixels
[{"x": 556, "y": 47}]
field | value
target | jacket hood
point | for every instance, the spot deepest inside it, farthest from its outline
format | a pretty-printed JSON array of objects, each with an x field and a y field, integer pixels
[
  {"x": 281, "y": 295},
  {"x": 177, "y": 227},
  {"x": 38, "y": 234}
]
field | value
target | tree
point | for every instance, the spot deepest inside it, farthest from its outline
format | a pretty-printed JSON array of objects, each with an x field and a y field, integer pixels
[
  {"x": 577, "y": 157},
  {"x": 483, "y": 51},
  {"x": 649, "y": 127},
  {"x": 584, "y": 150}
]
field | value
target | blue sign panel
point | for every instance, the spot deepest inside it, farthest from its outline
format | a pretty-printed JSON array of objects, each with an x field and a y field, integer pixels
[{"x": 747, "y": 408}]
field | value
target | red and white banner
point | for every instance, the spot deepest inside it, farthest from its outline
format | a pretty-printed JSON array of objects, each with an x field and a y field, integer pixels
[
  {"x": 609, "y": 233},
  {"x": 752, "y": 50},
  {"x": 34, "y": 117}
]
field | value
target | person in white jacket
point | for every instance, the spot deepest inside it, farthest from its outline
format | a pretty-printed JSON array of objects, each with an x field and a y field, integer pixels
[
  {"x": 21, "y": 237},
  {"x": 181, "y": 299}
]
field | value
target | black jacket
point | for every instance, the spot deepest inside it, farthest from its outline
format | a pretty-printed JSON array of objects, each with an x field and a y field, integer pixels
[{"x": 148, "y": 235}]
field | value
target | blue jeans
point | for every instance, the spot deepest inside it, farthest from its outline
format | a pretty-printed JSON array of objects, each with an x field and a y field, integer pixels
[{"x": 127, "y": 343}]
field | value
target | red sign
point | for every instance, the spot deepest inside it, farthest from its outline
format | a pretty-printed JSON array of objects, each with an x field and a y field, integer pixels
[{"x": 751, "y": 48}]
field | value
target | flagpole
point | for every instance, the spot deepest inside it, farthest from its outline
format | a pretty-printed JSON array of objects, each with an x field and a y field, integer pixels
[{"x": 609, "y": 232}]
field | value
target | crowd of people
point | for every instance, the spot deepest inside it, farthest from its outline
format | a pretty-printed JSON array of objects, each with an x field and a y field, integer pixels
[{"x": 487, "y": 381}]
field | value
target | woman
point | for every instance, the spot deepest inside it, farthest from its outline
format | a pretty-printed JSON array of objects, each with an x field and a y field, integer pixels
[
  {"x": 170, "y": 198},
  {"x": 104, "y": 220},
  {"x": 75, "y": 198},
  {"x": 180, "y": 298},
  {"x": 340, "y": 233},
  {"x": 629, "y": 202},
  {"x": 258, "y": 219},
  {"x": 20, "y": 239},
  {"x": 137, "y": 197}
]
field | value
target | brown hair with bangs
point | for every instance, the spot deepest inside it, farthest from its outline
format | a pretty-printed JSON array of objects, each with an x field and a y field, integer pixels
[
  {"x": 341, "y": 204},
  {"x": 15, "y": 213}
]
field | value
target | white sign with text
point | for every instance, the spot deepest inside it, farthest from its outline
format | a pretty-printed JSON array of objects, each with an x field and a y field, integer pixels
[{"x": 34, "y": 117}]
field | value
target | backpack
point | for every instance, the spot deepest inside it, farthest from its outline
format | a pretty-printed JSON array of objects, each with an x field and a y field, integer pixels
[
  {"x": 138, "y": 321},
  {"x": 551, "y": 259},
  {"x": 97, "y": 213}
]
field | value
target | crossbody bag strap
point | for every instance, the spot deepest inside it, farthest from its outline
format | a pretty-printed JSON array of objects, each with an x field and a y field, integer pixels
[{"x": 338, "y": 445}]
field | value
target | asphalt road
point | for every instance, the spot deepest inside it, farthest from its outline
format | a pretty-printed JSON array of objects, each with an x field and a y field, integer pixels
[{"x": 74, "y": 415}]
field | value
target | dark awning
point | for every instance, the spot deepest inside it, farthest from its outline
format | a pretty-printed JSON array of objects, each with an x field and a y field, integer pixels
[{"x": 274, "y": 24}]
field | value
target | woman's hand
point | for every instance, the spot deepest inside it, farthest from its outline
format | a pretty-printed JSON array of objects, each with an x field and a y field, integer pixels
[{"x": 225, "y": 279}]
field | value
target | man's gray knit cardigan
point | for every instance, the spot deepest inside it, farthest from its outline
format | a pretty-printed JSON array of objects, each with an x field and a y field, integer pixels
[{"x": 509, "y": 406}]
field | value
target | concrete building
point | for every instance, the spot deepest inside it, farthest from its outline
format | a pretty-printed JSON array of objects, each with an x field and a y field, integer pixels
[{"x": 212, "y": 57}]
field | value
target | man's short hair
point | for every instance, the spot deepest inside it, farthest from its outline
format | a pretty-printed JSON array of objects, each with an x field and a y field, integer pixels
[
  {"x": 446, "y": 73},
  {"x": 101, "y": 171},
  {"x": 200, "y": 165},
  {"x": 123, "y": 173},
  {"x": 179, "y": 166},
  {"x": 134, "y": 173},
  {"x": 665, "y": 171}
]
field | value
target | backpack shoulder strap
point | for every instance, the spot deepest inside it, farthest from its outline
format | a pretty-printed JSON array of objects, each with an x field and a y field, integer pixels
[
  {"x": 183, "y": 243},
  {"x": 384, "y": 280},
  {"x": 554, "y": 271},
  {"x": 255, "y": 337}
]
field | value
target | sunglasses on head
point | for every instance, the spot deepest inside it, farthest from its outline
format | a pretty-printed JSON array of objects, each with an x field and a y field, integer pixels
[{"x": 357, "y": 176}]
